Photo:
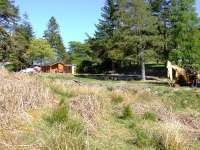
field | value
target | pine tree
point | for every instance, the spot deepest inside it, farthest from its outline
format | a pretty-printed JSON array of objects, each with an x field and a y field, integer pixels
[
  {"x": 108, "y": 23},
  {"x": 142, "y": 24},
  {"x": 79, "y": 52},
  {"x": 52, "y": 35},
  {"x": 8, "y": 16},
  {"x": 161, "y": 10},
  {"x": 184, "y": 23},
  {"x": 103, "y": 44},
  {"x": 5, "y": 44},
  {"x": 8, "y": 13},
  {"x": 21, "y": 42}
]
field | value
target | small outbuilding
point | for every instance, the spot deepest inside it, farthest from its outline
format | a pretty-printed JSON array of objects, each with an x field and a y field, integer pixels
[
  {"x": 70, "y": 68},
  {"x": 59, "y": 68}
]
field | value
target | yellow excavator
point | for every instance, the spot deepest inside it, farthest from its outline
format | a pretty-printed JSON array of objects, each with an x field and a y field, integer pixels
[{"x": 182, "y": 77}]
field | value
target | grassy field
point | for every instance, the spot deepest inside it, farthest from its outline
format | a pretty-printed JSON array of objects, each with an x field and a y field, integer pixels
[{"x": 59, "y": 112}]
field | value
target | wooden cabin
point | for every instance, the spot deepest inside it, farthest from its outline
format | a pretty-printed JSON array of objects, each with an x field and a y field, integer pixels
[
  {"x": 59, "y": 68},
  {"x": 69, "y": 68}
]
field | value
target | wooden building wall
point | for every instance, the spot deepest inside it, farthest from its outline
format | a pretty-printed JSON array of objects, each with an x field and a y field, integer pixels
[{"x": 59, "y": 68}]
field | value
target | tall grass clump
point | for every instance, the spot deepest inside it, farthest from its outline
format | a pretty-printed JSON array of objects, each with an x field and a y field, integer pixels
[
  {"x": 170, "y": 136},
  {"x": 116, "y": 98},
  {"x": 59, "y": 115},
  {"x": 144, "y": 139},
  {"x": 60, "y": 131},
  {"x": 149, "y": 116},
  {"x": 20, "y": 94},
  {"x": 127, "y": 112}
]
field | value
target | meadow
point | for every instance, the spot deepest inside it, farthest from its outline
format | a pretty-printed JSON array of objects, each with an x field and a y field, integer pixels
[{"x": 61, "y": 112}]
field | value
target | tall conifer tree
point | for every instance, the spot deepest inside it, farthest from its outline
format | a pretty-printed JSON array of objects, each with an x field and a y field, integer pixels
[
  {"x": 103, "y": 43},
  {"x": 21, "y": 39},
  {"x": 184, "y": 26},
  {"x": 52, "y": 35},
  {"x": 8, "y": 16},
  {"x": 142, "y": 24}
]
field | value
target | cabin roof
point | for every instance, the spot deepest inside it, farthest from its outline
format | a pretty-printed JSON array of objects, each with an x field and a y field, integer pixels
[{"x": 56, "y": 64}]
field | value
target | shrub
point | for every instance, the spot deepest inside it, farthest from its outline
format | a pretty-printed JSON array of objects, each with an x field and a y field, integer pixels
[{"x": 10, "y": 67}]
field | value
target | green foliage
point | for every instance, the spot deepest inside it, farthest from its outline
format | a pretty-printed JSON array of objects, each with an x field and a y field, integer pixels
[
  {"x": 129, "y": 32},
  {"x": 184, "y": 30},
  {"x": 10, "y": 67},
  {"x": 142, "y": 25},
  {"x": 102, "y": 44},
  {"x": 21, "y": 43},
  {"x": 52, "y": 35},
  {"x": 79, "y": 52},
  {"x": 108, "y": 23},
  {"x": 143, "y": 139},
  {"x": 127, "y": 112},
  {"x": 8, "y": 13},
  {"x": 61, "y": 131},
  {"x": 5, "y": 44},
  {"x": 8, "y": 16},
  {"x": 117, "y": 99},
  {"x": 136, "y": 32},
  {"x": 59, "y": 115},
  {"x": 41, "y": 50},
  {"x": 163, "y": 44},
  {"x": 149, "y": 116}
]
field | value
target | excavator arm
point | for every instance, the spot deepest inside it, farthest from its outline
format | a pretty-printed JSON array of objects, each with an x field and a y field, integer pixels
[{"x": 180, "y": 74}]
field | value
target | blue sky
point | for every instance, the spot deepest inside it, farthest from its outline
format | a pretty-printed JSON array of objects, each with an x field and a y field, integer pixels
[{"x": 75, "y": 17}]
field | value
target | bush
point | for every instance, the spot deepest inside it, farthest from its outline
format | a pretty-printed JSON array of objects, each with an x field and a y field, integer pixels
[{"x": 10, "y": 67}]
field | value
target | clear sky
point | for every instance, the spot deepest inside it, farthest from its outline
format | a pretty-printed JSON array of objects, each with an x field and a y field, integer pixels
[{"x": 75, "y": 17}]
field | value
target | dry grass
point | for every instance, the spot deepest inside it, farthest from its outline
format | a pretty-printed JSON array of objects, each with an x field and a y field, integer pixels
[
  {"x": 19, "y": 95},
  {"x": 90, "y": 115},
  {"x": 172, "y": 136},
  {"x": 98, "y": 105}
]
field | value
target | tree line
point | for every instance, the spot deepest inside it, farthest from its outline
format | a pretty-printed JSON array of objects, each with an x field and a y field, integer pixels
[
  {"x": 141, "y": 31},
  {"x": 18, "y": 44},
  {"x": 129, "y": 33}
]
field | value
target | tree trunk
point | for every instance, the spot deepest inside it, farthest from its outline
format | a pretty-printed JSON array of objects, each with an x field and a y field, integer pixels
[
  {"x": 113, "y": 67},
  {"x": 4, "y": 54},
  {"x": 142, "y": 65}
]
